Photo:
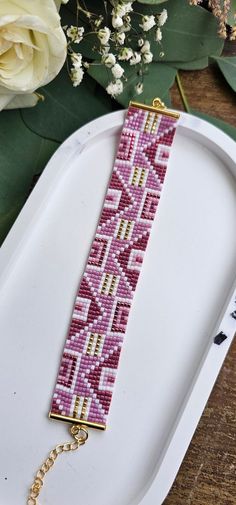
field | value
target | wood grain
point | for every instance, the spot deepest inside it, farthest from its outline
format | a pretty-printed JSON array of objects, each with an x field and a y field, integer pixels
[
  {"x": 207, "y": 475},
  {"x": 207, "y": 91}
]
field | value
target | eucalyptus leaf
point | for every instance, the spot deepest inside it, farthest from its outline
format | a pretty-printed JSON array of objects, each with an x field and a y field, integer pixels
[
  {"x": 222, "y": 125},
  {"x": 157, "y": 81},
  {"x": 22, "y": 155},
  {"x": 232, "y": 12},
  {"x": 66, "y": 108},
  {"x": 227, "y": 66},
  {"x": 191, "y": 65}
]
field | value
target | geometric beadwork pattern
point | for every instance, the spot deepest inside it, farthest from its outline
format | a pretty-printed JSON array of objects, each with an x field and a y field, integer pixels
[{"x": 90, "y": 359}]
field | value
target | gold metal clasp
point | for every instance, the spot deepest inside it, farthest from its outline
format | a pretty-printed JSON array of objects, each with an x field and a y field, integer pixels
[
  {"x": 74, "y": 420},
  {"x": 157, "y": 106}
]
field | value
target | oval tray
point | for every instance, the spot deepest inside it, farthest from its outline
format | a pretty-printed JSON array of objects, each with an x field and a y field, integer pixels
[{"x": 169, "y": 362}]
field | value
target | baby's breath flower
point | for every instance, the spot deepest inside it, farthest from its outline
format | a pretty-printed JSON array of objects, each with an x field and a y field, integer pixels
[
  {"x": 128, "y": 7},
  {"x": 105, "y": 50},
  {"x": 120, "y": 38},
  {"x": 119, "y": 10},
  {"x": 117, "y": 21},
  {"x": 75, "y": 33},
  {"x": 139, "y": 88},
  {"x": 109, "y": 60},
  {"x": 98, "y": 21},
  {"x": 117, "y": 71},
  {"x": 147, "y": 23},
  {"x": 146, "y": 47},
  {"x": 125, "y": 54},
  {"x": 113, "y": 44},
  {"x": 147, "y": 57},
  {"x": 127, "y": 23},
  {"x": 76, "y": 59},
  {"x": 115, "y": 88},
  {"x": 136, "y": 58},
  {"x": 104, "y": 35},
  {"x": 122, "y": 8},
  {"x": 158, "y": 35},
  {"x": 162, "y": 18},
  {"x": 77, "y": 75}
]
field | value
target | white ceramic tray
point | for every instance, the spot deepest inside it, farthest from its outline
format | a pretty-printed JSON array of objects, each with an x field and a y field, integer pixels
[{"x": 169, "y": 362}]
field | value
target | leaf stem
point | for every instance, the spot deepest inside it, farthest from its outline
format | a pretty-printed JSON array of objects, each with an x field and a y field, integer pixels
[{"x": 182, "y": 93}]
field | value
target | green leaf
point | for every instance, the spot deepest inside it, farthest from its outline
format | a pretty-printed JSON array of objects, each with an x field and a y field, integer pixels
[
  {"x": 228, "y": 69},
  {"x": 66, "y": 108},
  {"x": 157, "y": 81},
  {"x": 22, "y": 155},
  {"x": 190, "y": 33},
  {"x": 222, "y": 125},
  {"x": 232, "y": 12},
  {"x": 191, "y": 65}
]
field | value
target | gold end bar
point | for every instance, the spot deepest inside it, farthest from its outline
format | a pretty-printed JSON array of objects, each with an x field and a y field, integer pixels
[
  {"x": 155, "y": 108},
  {"x": 73, "y": 420}
]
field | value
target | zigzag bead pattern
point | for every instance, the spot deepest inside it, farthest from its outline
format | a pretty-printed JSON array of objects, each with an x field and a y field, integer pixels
[{"x": 91, "y": 354}]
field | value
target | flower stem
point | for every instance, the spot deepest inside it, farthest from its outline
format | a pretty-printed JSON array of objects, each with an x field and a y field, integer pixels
[{"x": 182, "y": 93}]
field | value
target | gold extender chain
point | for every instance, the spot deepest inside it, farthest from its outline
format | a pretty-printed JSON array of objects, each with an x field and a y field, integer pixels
[{"x": 80, "y": 435}]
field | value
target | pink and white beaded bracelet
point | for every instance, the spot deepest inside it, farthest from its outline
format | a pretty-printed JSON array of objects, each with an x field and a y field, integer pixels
[{"x": 90, "y": 359}]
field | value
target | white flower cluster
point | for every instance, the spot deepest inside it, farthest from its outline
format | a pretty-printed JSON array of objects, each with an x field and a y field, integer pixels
[
  {"x": 77, "y": 72},
  {"x": 75, "y": 33},
  {"x": 120, "y": 16},
  {"x": 149, "y": 22},
  {"x": 113, "y": 47}
]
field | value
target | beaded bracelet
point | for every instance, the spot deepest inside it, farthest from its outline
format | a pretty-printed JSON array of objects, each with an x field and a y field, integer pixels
[{"x": 90, "y": 359}]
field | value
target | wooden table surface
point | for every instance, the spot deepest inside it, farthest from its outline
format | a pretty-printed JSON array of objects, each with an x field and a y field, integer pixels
[{"x": 207, "y": 475}]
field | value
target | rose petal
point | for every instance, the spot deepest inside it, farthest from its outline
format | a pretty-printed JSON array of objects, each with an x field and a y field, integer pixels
[{"x": 22, "y": 101}]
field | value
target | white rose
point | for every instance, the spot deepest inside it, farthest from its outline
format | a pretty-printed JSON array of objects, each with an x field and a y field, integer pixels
[
  {"x": 117, "y": 71},
  {"x": 59, "y": 2},
  {"x": 33, "y": 49}
]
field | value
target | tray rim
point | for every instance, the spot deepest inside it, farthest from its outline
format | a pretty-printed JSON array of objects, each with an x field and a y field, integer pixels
[{"x": 212, "y": 361}]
